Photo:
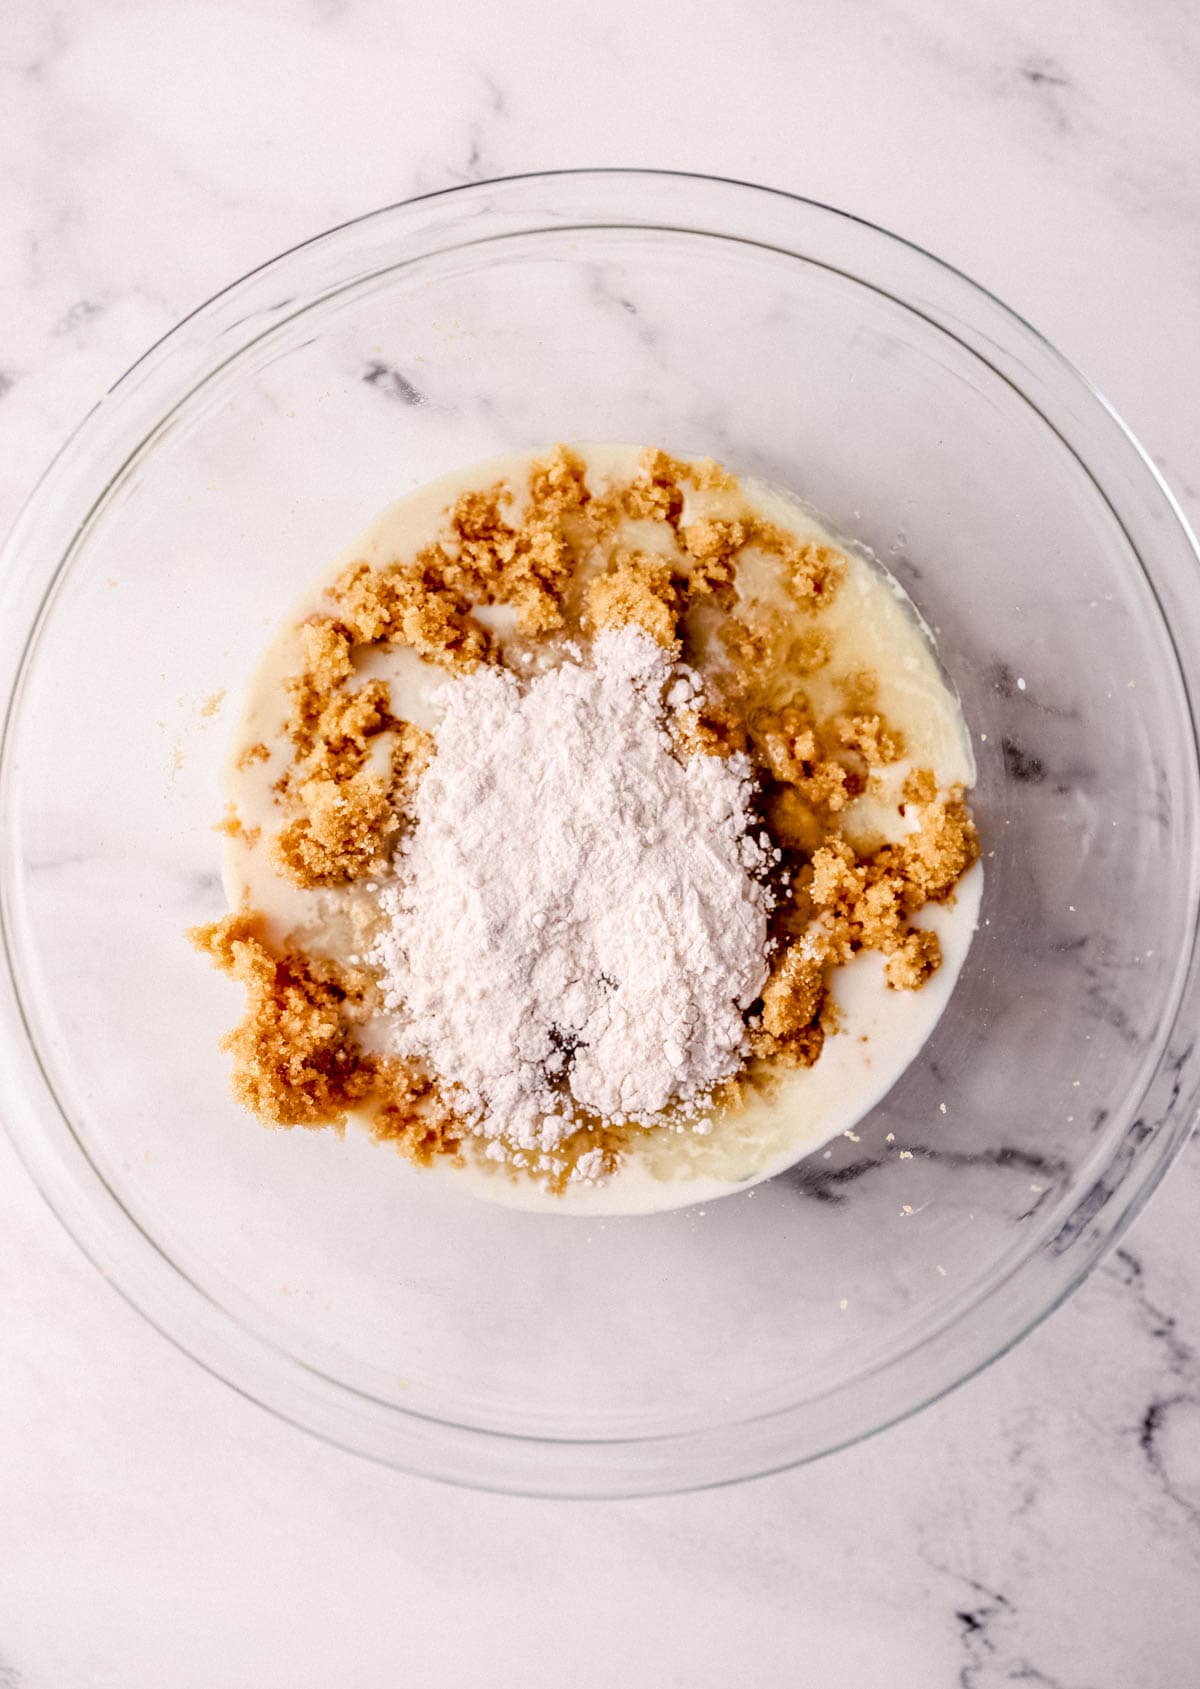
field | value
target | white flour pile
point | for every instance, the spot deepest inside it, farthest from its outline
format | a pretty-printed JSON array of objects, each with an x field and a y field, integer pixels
[{"x": 579, "y": 915}]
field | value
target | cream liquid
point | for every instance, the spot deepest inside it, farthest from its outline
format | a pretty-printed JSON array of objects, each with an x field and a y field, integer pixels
[{"x": 871, "y": 625}]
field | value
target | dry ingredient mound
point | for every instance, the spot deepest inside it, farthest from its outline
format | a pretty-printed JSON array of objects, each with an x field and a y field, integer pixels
[{"x": 578, "y": 920}]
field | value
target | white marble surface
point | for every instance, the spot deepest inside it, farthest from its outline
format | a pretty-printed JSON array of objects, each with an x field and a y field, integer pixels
[{"x": 1041, "y": 1526}]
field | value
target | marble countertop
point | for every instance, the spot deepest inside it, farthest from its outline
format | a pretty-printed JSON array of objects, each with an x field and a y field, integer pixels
[{"x": 1040, "y": 1526}]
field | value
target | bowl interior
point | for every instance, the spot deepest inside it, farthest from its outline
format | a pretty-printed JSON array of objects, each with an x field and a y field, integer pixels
[{"x": 370, "y": 1301}]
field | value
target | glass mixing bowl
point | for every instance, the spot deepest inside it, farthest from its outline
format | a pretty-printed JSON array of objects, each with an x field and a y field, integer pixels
[{"x": 325, "y": 1277}]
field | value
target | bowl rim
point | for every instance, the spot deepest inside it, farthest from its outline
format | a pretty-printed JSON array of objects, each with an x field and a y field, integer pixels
[{"x": 560, "y": 1466}]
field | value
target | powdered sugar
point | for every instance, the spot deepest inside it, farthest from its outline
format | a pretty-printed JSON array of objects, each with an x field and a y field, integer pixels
[{"x": 578, "y": 920}]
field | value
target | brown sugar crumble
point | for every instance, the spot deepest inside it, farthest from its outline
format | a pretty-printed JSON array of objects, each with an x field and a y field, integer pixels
[
  {"x": 296, "y": 1060},
  {"x": 250, "y": 754},
  {"x": 845, "y": 902},
  {"x": 553, "y": 552},
  {"x": 792, "y": 1001},
  {"x": 348, "y": 806},
  {"x": 232, "y": 827},
  {"x": 637, "y": 589}
]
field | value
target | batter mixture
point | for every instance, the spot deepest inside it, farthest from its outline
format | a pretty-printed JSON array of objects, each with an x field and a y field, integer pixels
[{"x": 596, "y": 834}]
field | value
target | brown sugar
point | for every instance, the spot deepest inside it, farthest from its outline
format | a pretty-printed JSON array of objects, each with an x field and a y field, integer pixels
[
  {"x": 860, "y": 690},
  {"x": 529, "y": 562},
  {"x": 527, "y": 566},
  {"x": 343, "y": 805},
  {"x": 920, "y": 786},
  {"x": 350, "y": 815},
  {"x": 339, "y": 739},
  {"x": 810, "y": 653},
  {"x": 794, "y": 822},
  {"x": 232, "y": 826},
  {"x": 654, "y": 494},
  {"x": 658, "y": 468},
  {"x": 931, "y": 860},
  {"x": 365, "y": 602},
  {"x": 253, "y": 753},
  {"x": 435, "y": 619},
  {"x": 792, "y": 1000},
  {"x": 326, "y": 645},
  {"x": 751, "y": 646},
  {"x": 871, "y": 737},
  {"x": 346, "y": 831},
  {"x": 864, "y": 902},
  {"x": 295, "y": 1062},
  {"x": 347, "y": 819},
  {"x": 812, "y": 572},
  {"x": 558, "y": 484},
  {"x": 758, "y": 640},
  {"x": 408, "y": 604},
  {"x": 412, "y": 749},
  {"x": 637, "y": 589},
  {"x": 409, "y": 1113},
  {"x": 712, "y": 548},
  {"x": 711, "y": 731},
  {"x": 296, "y": 1059},
  {"x": 791, "y": 749},
  {"x": 918, "y": 957}
]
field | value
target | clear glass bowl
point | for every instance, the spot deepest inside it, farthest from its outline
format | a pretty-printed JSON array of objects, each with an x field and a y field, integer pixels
[{"x": 324, "y": 1277}]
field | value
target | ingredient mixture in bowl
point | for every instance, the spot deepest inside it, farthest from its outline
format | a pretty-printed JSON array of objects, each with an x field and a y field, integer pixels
[{"x": 596, "y": 832}]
